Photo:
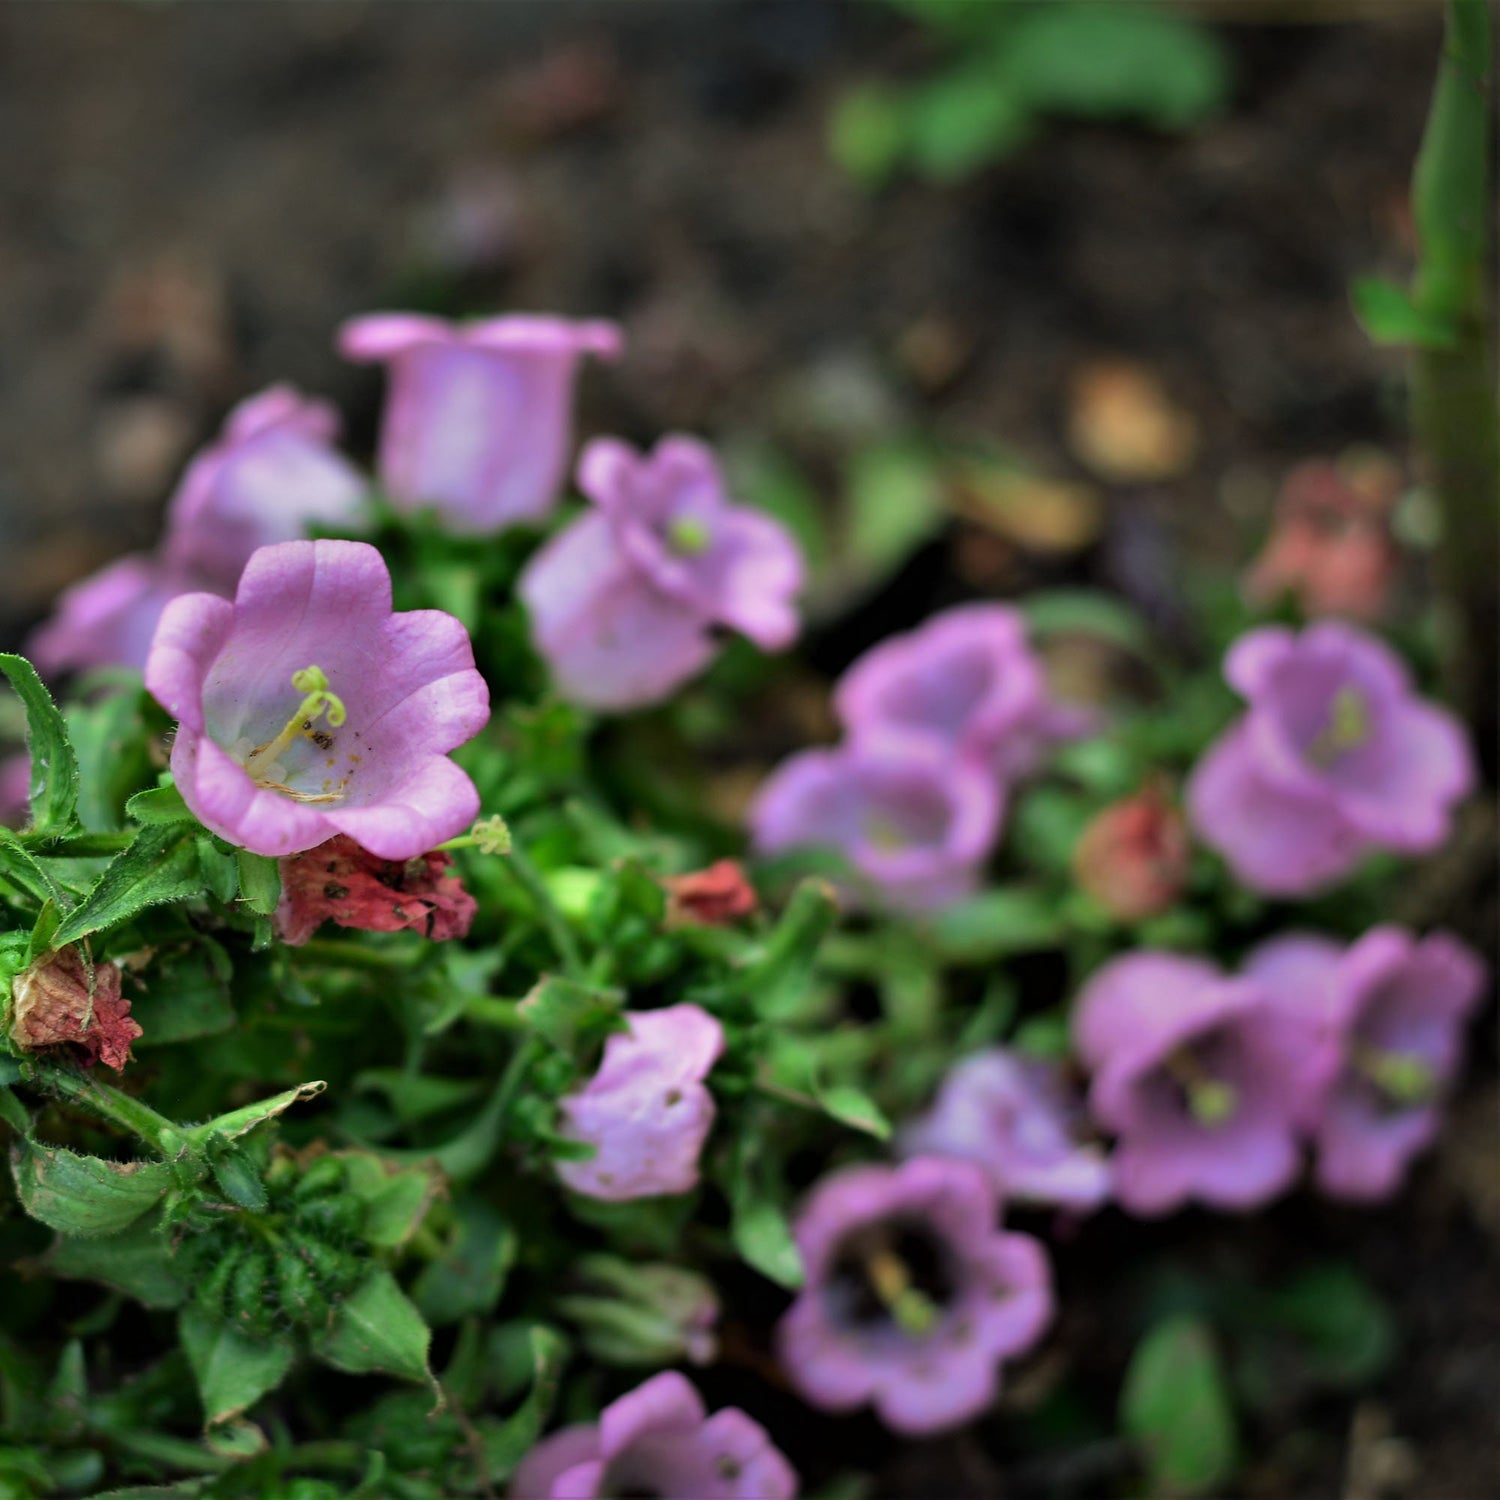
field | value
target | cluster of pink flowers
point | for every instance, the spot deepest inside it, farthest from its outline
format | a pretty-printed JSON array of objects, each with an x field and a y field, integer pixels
[
  {"x": 627, "y": 603},
  {"x": 938, "y": 724},
  {"x": 1213, "y": 1083},
  {"x": 1336, "y": 756}
]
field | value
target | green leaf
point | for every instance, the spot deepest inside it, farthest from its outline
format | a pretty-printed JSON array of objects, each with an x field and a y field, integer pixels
[
  {"x": 1176, "y": 1405},
  {"x": 1087, "y": 612},
  {"x": 1344, "y": 1332},
  {"x": 160, "y": 865},
  {"x": 218, "y": 868},
  {"x": 161, "y": 804},
  {"x": 54, "y": 767},
  {"x": 764, "y": 1238},
  {"x": 185, "y": 996},
  {"x": 1388, "y": 315},
  {"x": 569, "y": 1015},
  {"x": 467, "y": 1279},
  {"x": 893, "y": 503},
  {"x": 233, "y": 1372},
  {"x": 851, "y": 1106},
  {"x": 995, "y": 924},
  {"x": 21, "y": 869},
  {"x": 260, "y": 882},
  {"x": 240, "y": 1122},
  {"x": 395, "y": 1198},
  {"x": 869, "y": 132},
  {"x": 1112, "y": 59},
  {"x": 508, "y": 1444},
  {"x": 377, "y": 1330},
  {"x": 965, "y": 118},
  {"x": 85, "y": 1195},
  {"x": 136, "y": 1261}
]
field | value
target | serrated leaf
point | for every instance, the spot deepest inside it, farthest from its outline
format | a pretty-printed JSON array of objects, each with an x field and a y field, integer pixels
[
  {"x": 84, "y": 1195},
  {"x": 1176, "y": 1405},
  {"x": 54, "y": 767},
  {"x": 1388, "y": 315},
  {"x": 508, "y": 1444},
  {"x": 136, "y": 1261},
  {"x": 160, "y": 865},
  {"x": 232, "y": 1371},
  {"x": 377, "y": 1330}
]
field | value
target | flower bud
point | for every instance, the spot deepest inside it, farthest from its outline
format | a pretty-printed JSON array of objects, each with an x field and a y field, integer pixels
[
  {"x": 711, "y": 898},
  {"x": 1133, "y": 857},
  {"x": 63, "y": 998}
]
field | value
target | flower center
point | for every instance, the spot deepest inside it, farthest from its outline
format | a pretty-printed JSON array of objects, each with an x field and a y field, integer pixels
[
  {"x": 688, "y": 536},
  {"x": 892, "y": 1275},
  {"x": 263, "y": 762},
  {"x": 1348, "y": 727},
  {"x": 1405, "y": 1080},
  {"x": 1210, "y": 1100}
]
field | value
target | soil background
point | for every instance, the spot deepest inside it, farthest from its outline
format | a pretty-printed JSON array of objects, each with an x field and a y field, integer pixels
[{"x": 193, "y": 196}]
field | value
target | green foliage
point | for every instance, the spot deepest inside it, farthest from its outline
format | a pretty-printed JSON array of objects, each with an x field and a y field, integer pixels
[
  {"x": 1176, "y": 1405},
  {"x": 1015, "y": 66}
]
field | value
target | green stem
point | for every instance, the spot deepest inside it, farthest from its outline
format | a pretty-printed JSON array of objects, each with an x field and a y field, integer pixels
[
  {"x": 119, "y": 1108},
  {"x": 1454, "y": 389},
  {"x": 491, "y": 1010},
  {"x": 529, "y": 878},
  {"x": 337, "y": 953}
]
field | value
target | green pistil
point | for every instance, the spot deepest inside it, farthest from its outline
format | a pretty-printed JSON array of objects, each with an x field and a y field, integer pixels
[
  {"x": 914, "y": 1311},
  {"x": 884, "y": 834},
  {"x": 689, "y": 536},
  {"x": 1211, "y": 1100},
  {"x": 317, "y": 702},
  {"x": 1348, "y": 728},
  {"x": 1403, "y": 1079}
]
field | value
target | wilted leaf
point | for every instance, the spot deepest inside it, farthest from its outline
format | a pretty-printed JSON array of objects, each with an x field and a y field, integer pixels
[{"x": 1125, "y": 427}]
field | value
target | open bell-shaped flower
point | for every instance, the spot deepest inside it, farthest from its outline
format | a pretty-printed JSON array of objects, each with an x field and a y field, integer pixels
[
  {"x": 478, "y": 418},
  {"x": 307, "y": 707}
]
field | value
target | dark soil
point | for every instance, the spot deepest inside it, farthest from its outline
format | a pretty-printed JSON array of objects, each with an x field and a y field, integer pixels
[{"x": 193, "y": 196}]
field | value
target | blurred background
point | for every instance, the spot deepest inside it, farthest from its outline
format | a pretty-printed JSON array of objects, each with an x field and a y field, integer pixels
[{"x": 976, "y": 295}]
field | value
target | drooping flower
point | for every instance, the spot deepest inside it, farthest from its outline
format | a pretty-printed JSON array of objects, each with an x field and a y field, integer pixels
[
  {"x": 1331, "y": 545},
  {"x": 307, "y": 708},
  {"x": 108, "y": 618},
  {"x": 1133, "y": 857},
  {"x": 343, "y": 883},
  {"x": 272, "y": 473},
  {"x": 646, "y": 1111},
  {"x": 659, "y": 1441},
  {"x": 63, "y": 998},
  {"x": 969, "y": 680},
  {"x": 913, "y": 824},
  {"x": 625, "y": 601},
  {"x": 713, "y": 897},
  {"x": 1015, "y": 1117},
  {"x": 1394, "y": 1007},
  {"x": 1201, "y": 1078},
  {"x": 913, "y": 1296},
  {"x": 478, "y": 417},
  {"x": 1335, "y": 757}
]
